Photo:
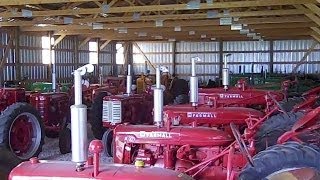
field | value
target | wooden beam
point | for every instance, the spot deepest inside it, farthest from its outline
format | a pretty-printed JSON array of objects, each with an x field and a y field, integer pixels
[
  {"x": 85, "y": 41},
  {"x": 170, "y": 7},
  {"x": 144, "y": 55},
  {"x": 316, "y": 37},
  {"x": 6, "y": 52},
  {"x": 59, "y": 39},
  {"x": 29, "y": 2},
  {"x": 104, "y": 44},
  {"x": 314, "y": 8},
  {"x": 304, "y": 58}
]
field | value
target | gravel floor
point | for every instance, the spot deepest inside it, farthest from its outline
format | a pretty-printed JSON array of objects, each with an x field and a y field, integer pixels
[{"x": 50, "y": 150}]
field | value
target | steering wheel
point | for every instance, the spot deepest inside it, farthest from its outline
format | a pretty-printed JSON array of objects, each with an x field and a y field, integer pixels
[{"x": 242, "y": 145}]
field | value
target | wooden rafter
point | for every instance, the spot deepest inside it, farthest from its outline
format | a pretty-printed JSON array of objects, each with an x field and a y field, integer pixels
[
  {"x": 28, "y": 2},
  {"x": 104, "y": 44},
  {"x": 59, "y": 39},
  {"x": 84, "y": 42}
]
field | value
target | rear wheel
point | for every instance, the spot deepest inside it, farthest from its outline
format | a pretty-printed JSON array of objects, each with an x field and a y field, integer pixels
[
  {"x": 273, "y": 128},
  {"x": 96, "y": 119},
  {"x": 21, "y": 130},
  {"x": 281, "y": 158}
]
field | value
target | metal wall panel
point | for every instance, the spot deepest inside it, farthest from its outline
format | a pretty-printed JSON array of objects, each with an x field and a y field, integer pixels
[
  {"x": 83, "y": 57},
  {"x": 246, "y": 46},
  {"x": 34, "y": 72},
  {"x": 105, "y": 58},
  {"x": 30, "y": 41},
  {"x": 154, "y": 47},
  {"x": 66, "y": 43},
  {"x": 289, "y": 52},
  {"x": 197, "y": 46}
]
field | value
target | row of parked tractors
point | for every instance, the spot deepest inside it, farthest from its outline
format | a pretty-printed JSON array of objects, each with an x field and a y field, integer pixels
[{"x": 223, "y": 133}]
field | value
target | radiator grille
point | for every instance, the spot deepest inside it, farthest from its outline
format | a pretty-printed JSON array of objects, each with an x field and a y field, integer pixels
[{"x": 111, "y": 112}]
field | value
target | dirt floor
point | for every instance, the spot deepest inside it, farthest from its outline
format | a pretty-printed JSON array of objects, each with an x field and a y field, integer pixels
[{"x": 51, "y": 151}]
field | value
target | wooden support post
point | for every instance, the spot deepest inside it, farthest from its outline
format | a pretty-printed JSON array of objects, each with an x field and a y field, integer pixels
[
  {"x": 85, "y": 41},
  {"x": 144, "y": 55},
  {"x": 220, "y": 59},
  {"x": 76, "y": 51},
  {"x": 304, "y": 58},
  {"x": 114, "y": 59},
  {"x": 17, "y": 54},
  {"x": 271, "y": 57}
]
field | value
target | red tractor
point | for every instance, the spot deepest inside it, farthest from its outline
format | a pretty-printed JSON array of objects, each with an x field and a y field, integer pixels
[
  {"x": 21, "y": 126},
  {"x": 110, "y": 110},
  {"x": 84, "y": 167}
]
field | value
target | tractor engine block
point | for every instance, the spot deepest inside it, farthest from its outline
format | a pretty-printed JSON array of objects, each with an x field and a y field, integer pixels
[{"x": 10, "y": 96}]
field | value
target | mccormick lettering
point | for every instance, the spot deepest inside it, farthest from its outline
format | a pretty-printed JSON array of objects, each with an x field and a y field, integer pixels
[
  {"x": 200, "y": 115},
  {"x": 229, "y": 96},
  {"x": 144, "y": 134}
]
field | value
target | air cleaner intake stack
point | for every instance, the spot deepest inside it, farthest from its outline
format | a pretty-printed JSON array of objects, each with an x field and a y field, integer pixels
[
  {"x": 129, "y": 80},
  {"x": 194, "y": 83},
  {"x": 79, "y": 120},
  {"x": 225, "y": 73},
  {"x": 158, "y": 100}
]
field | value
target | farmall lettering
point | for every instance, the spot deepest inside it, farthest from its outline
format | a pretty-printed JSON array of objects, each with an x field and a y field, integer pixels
[
  {"x": 230, "y": 96},
  {"x": 200, "y": 115},
  {"x": 162, "y": 135}
]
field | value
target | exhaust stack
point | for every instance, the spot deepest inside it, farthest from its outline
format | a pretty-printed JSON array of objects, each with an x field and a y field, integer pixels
[
  {"x": 129, "y": 80},
  {"x": 53, "y": 74},
  {"x": 158, "y": 100},
  {"x": 225, "y": 73},
  {"x": 101, "y": 77},
  {"x": 194, "y": 95},
  {"x": 79, "y": 120}
]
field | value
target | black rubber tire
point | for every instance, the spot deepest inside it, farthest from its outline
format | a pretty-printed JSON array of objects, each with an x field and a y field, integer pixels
[
  {"x": 290, "y": 103},
  {"x": 7, "y": 163},
  {"x": 179, "y": 86},
  {"x": 280, "y": 157},
  {"x": 181, "y": 99},
  {"x": 54, "y": 134},
  {"x": 107, "y": 141},
  {"x": 273, "y": 128},
  {"x": 65, "y": 141},
  {"x": 96, "y": 118},
  {"x": 8, "y": 116}
]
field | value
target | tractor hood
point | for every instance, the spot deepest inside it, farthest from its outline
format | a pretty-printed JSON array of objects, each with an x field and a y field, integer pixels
[
  {"x": 234, "y": 95},
  {"x": 180, "y": 135},
  {"x": 63, "y": 170},
  {"x": 204, "y": 114}
]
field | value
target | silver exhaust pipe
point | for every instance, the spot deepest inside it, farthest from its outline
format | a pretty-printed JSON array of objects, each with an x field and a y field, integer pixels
[
  {"x": 158, "y": 100},
  {"x": 79, "y": 137},
  {"x": 194, "y": 89},
  {"x": 129, "y": 80},
  {"x": 225, "y": 73}
]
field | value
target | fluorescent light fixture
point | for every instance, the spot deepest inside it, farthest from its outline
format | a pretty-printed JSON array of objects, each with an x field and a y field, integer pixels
[
  {"x": 192, "y": 32},
  {"x": 256, "y": 37},
  {"x": 244, "y": 31},
  {"x": 251, "y": 34},
  {"x": 159, "y": 22},
  {"x": 235, "y": 18},
  {"x": 226, "y": 21},
  {"x": 203, "y": 36},
  {"x": 26, "y": 13},
  {"x": 213, "y": 39},
  {"x": 209, "y": 2},
  {"x": 177, "y": 28},
  {"x": 171, "y": 39},
  {"x": 97, "y": 26},
  {"x": 212, "y": 13},
  {"x": 226, "y": 12},
  {"x": 142, "y": 34},
  {"x": 193, "y": 4},
  {"x": 158, "y": 37},
  {"x": 122, "y": 30},
  {"x": 236, "y": 27}
]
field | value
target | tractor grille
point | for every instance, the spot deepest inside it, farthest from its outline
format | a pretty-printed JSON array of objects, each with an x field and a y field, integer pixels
[{"x": 111, "y": 112}]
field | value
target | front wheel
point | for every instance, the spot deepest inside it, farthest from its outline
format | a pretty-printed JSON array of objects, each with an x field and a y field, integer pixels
[{"x": 281, "y": 158}]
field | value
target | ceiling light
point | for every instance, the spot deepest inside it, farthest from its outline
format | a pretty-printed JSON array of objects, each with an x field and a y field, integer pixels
[
  {"x": 236, "y": 27},
  {"x": 226, "y": 21},
  {"x": 193, "y": 4},
  {"x": 26, "y": 13},
  {"x": 212, "y": 13},
  {"x": 192, "y": 32},
  {"x": 177, "y": 28},
  {"x": 203, "y": 36},
  {"x": 159, "y": 22}
]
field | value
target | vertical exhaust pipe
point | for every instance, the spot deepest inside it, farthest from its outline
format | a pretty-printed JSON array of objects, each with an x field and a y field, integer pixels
[
  {"x": 101, "y": 77},
  {"x": 79, "y": 120},
  {"x": 158, "y": 100},
  {"x": 194, "y": 95},
  {"x": 225, "y": 73},
  {"x": 129, "y": 80}
]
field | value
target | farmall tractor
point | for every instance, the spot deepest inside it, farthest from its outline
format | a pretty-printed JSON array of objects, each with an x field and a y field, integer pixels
[
  {"x": 241, "y": 95},
  {"x": 201, "y": 152},
  {"x": 84, "y": 167}
]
